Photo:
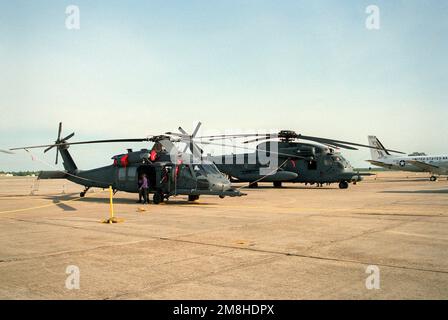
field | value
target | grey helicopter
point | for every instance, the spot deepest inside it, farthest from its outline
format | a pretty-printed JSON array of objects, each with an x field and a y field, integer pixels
[
  {"x": 298, "y": 162},
  {"x": 169, "y": 171}
]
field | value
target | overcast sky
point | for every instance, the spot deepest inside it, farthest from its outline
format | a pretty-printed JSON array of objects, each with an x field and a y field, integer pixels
[{"x": 141, "y": 67}]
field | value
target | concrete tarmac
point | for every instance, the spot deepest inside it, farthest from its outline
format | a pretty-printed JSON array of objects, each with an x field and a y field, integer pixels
[{"x": 295, "y": 242}]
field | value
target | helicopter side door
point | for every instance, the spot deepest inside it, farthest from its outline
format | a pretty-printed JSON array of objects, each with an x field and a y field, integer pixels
[{"x": 152, "y": 175}]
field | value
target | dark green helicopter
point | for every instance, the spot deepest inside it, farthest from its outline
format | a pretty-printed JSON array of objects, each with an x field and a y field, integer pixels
[
  {"x": 169, "y": 171},
  {"x": 297, "y": 162}
]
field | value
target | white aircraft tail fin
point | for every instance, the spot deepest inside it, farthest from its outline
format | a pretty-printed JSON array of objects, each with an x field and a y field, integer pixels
[{"x": 381, "y": 152}]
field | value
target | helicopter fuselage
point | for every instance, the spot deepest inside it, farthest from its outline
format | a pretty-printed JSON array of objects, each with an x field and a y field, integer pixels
[
  {"x": 164, "y": 176},
  {"x": 307, "y": 163}
]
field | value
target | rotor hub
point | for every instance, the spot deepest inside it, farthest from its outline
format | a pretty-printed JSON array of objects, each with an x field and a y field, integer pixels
[{"x": 287, "y": 135}]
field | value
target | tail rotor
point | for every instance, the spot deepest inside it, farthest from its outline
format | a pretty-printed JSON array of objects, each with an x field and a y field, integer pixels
[{"x": 59, "y": 141}]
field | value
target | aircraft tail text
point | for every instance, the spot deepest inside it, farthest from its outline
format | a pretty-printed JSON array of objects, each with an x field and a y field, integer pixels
[{"x": 381, "y": 152}]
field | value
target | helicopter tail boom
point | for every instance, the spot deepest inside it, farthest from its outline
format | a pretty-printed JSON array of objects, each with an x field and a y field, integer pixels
[{"x": 52, "y": 175}]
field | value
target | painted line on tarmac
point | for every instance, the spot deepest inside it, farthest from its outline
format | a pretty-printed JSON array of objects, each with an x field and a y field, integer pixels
[{"x": 40, "y": 207}]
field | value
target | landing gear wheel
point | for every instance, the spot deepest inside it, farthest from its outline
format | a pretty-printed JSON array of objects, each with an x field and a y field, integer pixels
[
  {"x": 343, "y": 185},
  {"x": 253, "y": 185},
  {"x": 83, "y": 193},
  {"x": 433, "y": 178},
  {"x": 157, "y": 198},
  {"x": 277, "y": 184},
  {"x": 193, "y": 198}
]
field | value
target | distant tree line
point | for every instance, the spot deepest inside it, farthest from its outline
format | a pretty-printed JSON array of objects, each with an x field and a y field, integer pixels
[{"x": 20, "y": 173}]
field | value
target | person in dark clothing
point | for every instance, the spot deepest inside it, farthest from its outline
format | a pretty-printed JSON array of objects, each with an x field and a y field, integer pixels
[
  {"x": 143, "y": 190},
  {"x": 139, "y": 185}
]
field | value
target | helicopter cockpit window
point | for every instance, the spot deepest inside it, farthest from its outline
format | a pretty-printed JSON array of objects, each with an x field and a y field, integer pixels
[
  {"x": 205, "y": 169},
  {"x": 185, "y": 170},
  {"x": 345, "y": 162},
  {"x": 328, "y": 161},
  {"x": 197, "y": 170},
  {"x": 340, "y": 160},
  {"x": 336, "y": 158}
]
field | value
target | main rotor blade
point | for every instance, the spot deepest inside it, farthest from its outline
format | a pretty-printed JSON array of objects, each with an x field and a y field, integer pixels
[
  {"x": 195, "y": 132},
  {"x": 82, "y": 142},
  {"x": 180, "y": 135},
  {"x": 246, "y": 148},
  {"x": 267, "y": 137},
  {"x": 195, "y": 150},
  {"x": 6, "y": 151},
  {"x": 225, "y": 136},
  {"x": 344, "y": 144},
  {"x": 330, "y": 143},
  {"x": 185, "y": 133},
  {"x": 259, "y": 136},
  {"x": 69, "y": 136},
  {"x": 334, "y": 142},
  {"x": 48, "y": 149},
  {"x": 339, "y": 145},
  {"x": 59, "y": 131},
  {"x": 182, "y": 131}
]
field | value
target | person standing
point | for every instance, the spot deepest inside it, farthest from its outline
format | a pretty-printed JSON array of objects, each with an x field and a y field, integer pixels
[
  {"x": 143, "y": 191},
  {"x": 139, "y": 188}
]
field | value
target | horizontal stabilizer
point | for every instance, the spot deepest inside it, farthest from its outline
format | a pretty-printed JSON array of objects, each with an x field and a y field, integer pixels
[
  {"x": 380, "y": 164},
  {"x": 365, "y": 174},
  {"x": 52, "y": 175}
]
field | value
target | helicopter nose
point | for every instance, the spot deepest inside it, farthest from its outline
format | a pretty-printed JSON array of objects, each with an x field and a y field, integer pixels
[{"x": 221, "y": 186}]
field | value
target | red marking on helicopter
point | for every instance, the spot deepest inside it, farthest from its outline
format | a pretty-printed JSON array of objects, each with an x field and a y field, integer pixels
[
  {"x": 153, "y": 155},
  {"x": 179, "y": 162},
  {"x": 124, "y": 160}
]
